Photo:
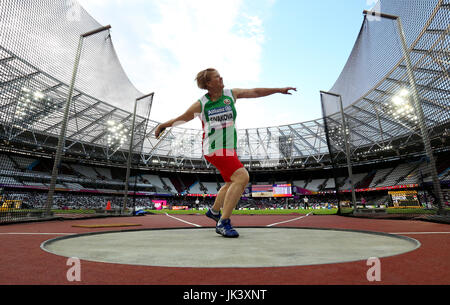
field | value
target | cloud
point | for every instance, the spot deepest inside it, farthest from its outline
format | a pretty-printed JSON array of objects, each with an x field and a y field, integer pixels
[
  {"x": 163, "y": 51},
  {"x": 191, "y": 36}
]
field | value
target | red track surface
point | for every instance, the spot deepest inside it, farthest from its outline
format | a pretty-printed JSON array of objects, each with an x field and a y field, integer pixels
[{"x": 23, "y": 262}]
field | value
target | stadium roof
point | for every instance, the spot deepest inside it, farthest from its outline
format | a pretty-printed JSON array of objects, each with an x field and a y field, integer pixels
[{"x": 38, "y": 43}]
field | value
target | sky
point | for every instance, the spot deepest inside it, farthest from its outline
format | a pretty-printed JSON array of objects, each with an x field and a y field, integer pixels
[{"x": 163, "y": 44}]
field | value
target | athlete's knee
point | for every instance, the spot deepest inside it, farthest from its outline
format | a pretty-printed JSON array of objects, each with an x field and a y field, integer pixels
[
  {"x": 241, "y": 177},
  {"x": 226, "y": 186}
]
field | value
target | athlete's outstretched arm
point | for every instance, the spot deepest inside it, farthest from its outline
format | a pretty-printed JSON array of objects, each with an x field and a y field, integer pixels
[
  {"x": 189, "y": 115},
  {"x": 260, "y": 92}
]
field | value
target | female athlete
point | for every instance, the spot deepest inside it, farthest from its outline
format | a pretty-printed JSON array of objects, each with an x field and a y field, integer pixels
[{"x": 217, "y": 112}]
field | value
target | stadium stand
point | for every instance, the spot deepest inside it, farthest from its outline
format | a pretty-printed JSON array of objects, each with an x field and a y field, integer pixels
[
  {"x": 177, "y": 183},
  {"x": 85, "y": 171},
  {"x": 168, "y": 183},
  {"x": 153, "y": 180},
  {"x": 366, "y": 181},
  {"x": 211, "y": 187},
  {"x": 392, "y": 177},
  {"x": 313, "y": 185},
  {"x": 103, "y": 173},
  {"x": 85, "y": 178},
  {"x": 299, "y": 183},
  {"x": 380, "y": 176},
  {"x": 23, "y": 163},
  {"x": 357, "y": 178},
  {"x": 386, "y": 151},
  {"x": 195, "y": 188}
]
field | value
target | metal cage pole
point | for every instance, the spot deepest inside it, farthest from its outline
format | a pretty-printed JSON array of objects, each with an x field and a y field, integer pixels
[
  {"x": 62, "y": 134},
  {"x": 130, "y": 151},
  {"x": 347, "y": 148},
  {"x": 347, "y": 152},
  {"x": 417, "y": 107}
]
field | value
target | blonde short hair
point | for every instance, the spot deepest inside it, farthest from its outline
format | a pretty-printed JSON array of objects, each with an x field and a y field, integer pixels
[{"x": 203, "y": 77}]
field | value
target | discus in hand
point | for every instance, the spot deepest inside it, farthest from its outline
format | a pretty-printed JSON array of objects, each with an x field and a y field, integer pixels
[{"x": 163, "y": 131}]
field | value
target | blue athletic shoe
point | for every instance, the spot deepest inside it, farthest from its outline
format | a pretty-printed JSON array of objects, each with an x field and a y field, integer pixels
[
  {"x": 212, "y": 216},
  {"x": 225, "y": 229}
]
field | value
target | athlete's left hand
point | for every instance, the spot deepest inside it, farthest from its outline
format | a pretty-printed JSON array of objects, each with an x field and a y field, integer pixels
[{"x": 287, "y": 89}]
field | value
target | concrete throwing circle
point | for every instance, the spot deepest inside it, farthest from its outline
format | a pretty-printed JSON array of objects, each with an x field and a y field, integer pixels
[{"x": 255, "y": 247}]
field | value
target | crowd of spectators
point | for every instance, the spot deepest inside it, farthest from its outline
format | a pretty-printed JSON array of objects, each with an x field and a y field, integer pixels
[
  {"x": 38, "y": 200},
  {"x": 66, "y": 201}
]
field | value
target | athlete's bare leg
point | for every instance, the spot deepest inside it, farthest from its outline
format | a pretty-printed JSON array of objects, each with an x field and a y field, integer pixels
[
  {"x": 220, "y": 198},
  {"x": 239, "y": 181}
]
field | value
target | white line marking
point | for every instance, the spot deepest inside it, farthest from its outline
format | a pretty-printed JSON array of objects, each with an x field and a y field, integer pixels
[
  {"x": 37, "y": 233},
  {"x": 190, "y": 223},
  {"x": 298, "y": 218},
  {"x": 421, "y": 233}
]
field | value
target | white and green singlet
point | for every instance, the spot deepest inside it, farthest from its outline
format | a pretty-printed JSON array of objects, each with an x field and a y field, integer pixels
[{"x": 218, "y": 122}]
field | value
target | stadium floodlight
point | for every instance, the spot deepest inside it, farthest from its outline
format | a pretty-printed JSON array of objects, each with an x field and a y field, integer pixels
[
  {"x": 403, "y": 92},
  {"x": 31, "y": 107},
  {"x": 62, "y": 135},
  {"x": 400, "y": 108},
  {"x": 418, "y": 111},
  {"x": 117, "y": 134}
]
